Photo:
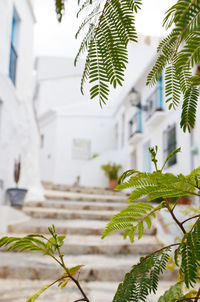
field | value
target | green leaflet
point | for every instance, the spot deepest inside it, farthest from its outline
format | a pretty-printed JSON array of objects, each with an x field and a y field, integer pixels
[
  {"x": 177, "y": 54},
  {"x": 131, "y": 219},
  {"x": 35, "y": 296},
  {"x": 190, "y": 255},
  {"x": 172, "y": 294},
  {"x": 143, "y": 278},
  {"x": 60, "y": 7},
  {"x": 110, "y": 27}
]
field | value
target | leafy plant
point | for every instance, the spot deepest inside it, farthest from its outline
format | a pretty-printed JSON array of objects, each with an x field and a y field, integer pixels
[
  {"x": 178, "y": 55},
  {"x": 111, "y": 170},
  {"x": 48, "y": 247},
  {"x": 110, "y": 26},
  {"x": 17, "y": 171},
  {"x": 144, "y": 277}
]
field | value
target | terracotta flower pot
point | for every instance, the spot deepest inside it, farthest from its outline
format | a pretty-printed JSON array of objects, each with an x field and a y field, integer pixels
[
  {"x": 185, "y": 200},
  {"x": 112, "y": 184}
]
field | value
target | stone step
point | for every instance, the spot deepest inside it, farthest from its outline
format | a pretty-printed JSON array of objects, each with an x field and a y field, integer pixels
[
  {"x": 96, "y": 267},
  {"x": 72, "y": 227},
  {"x": 97, "y": 291},
  {"x": 51, "y": 213},
  {"x": 80, "y": 189},
  {"x": 111, "y": 245},
  {"x": 61, "y": 195},
  {"x": 77, "y": 205}
]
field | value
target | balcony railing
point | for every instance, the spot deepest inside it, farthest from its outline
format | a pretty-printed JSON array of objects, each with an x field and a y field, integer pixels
[
  {"x": 135, "y": 124},
  {"x": 13, "y": 64},
  {"x": 154, "y": 102}
]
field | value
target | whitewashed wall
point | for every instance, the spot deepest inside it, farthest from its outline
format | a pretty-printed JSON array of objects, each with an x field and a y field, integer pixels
[
  {"x": 18, "y": 130},
  {"x": 59, "y": 132}
]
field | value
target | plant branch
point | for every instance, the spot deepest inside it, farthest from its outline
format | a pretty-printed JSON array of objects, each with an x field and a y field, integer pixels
[
  {"x": 163, "y": 248},
  {"x": 71, "y": 277},
  {"x": 197, "y": 296},
  {"x": 186, "y": 299},
  {"x": 193, "y": 217},
  {"x": 174, "y": 218}
]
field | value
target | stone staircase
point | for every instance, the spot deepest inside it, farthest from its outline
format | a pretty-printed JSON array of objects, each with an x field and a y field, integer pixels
[{"x": 82, "y": 216}]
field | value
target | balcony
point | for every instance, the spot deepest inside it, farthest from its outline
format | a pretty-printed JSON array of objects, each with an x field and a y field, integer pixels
[
  {"x": 154, "y": 105},
  {"x": 135, "y": 127}
]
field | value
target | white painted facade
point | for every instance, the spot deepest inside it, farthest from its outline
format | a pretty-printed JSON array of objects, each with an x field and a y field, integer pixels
[
  {"x": 18, "y": 129},
  {"x": 66, "y": 115}
]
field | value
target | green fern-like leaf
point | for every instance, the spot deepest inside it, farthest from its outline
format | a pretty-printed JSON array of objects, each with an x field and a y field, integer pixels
[
  {"x": 178, "y": 53},
  {"x": 132, "y": 218},
  {"x": 189, "y": 108},
  {"x": 143, "y": 278},
  {"x": 113, "y": 26},
  {"x": 190, "y": 255},
  {"x": 60, "y": 7},
  {"x": 172, "y": 91}
]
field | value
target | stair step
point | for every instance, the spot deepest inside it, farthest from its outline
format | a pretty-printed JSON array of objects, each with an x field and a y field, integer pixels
[
  {"x": 80, "y": 189},
  {"x": 111, "y": 245},
  {"x": 68, "y": 214},
  {"x": 76, "y": 205},
  {"x": 97, "y": 291},
  {"x": 96, "y": 267},
  {"x": 62, "y": 195},
  {"x": 72, "y": 227}
]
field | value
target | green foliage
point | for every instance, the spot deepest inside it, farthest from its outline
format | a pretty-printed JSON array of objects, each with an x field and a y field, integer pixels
[
  {"x": 143, "y": 278},
  {"x": 60, "y": 8},
  {"x": 174, "y": 293},
  {"x": 190, "y": 255},
  {"x": 37, "y": 295},
  {"x": 111, "y": 170},
  {"x": 178, "y": 53},
  {"x": 48, "y": 247},
  {"x": 110, "y": 27},
  {"x": 132, "y": 219}
]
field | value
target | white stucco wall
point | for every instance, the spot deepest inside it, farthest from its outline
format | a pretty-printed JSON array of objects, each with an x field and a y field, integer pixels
[
  {"x": 60, "y": 129},
  {"x": 18, "y": 131}
]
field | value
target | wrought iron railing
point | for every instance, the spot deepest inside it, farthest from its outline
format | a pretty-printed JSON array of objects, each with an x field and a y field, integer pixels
[
  {"x": 13, "y": 63},
  {"x": 135, "y": 124},
  {"x": 154, "y": 103}
]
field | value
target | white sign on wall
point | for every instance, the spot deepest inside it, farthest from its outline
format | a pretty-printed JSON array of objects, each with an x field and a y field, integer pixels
[{"x": 81, "y": 149}]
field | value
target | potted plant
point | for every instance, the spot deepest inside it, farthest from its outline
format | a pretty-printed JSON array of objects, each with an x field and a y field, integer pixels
[
  {"x": 111, "y": 171},
  {"x": 16, "y": 195}
]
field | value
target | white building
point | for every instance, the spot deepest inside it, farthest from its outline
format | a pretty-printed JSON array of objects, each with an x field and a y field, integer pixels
[
  {"x": 73, "y": 128},
  {"x": 18, "y": 130}
]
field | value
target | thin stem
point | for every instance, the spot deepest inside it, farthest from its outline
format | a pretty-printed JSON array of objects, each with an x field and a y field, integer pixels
[
  {"x": 82, "y": 299},
  {"x": 197, "y": 296},
  {"x": 196, "y": 216},
  {"x": 163, "y": 248},
  {"x": 186, "y": 299},
  {"x": 71, "y": 277},
  {"x": 175, "y": 219},
  {"x": 175, "y": 204}
]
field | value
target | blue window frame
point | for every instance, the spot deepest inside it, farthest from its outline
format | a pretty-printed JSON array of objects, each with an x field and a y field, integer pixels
[
  {"x": 170, "y": 144},
  {"x": 13, "y": 47}
]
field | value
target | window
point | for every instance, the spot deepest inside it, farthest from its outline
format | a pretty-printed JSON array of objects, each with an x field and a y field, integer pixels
[
  {"x": 170, "y": 144},
  {"x": 14, "y": 46}
]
